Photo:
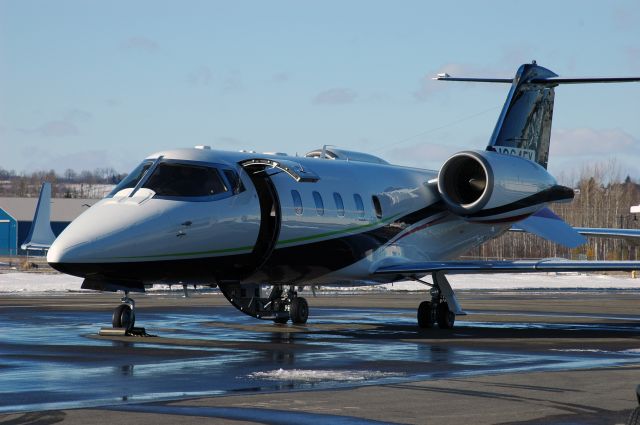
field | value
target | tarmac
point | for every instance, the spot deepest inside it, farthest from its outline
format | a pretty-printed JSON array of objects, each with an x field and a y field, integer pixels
[{"x": 519, "y": 357}]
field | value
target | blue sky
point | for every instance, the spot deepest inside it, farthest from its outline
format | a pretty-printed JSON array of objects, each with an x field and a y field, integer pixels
[{"x": 86, "y": 84}]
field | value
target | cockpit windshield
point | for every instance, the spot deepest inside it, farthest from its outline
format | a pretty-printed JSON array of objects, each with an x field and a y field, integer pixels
[
  {"x": 175, "y": 179},
  {"x": 133, "y": 178}
]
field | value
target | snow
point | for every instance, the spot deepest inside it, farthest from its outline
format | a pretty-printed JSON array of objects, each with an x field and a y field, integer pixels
[
  {"x": 20, "y": 282},
  {"x": 311, "y": 375},
  {"x": 38, "y": 282}
]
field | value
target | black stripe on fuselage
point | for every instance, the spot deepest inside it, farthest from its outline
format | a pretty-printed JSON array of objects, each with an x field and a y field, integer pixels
[
  {"x": 289, "y": 264},
  {"x": 554, "y": 193}
]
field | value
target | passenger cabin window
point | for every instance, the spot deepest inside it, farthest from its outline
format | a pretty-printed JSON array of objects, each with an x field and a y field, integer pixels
[
  {"x": 133, "y": 178},
  {"x": 174, "y": 179},
  {"x": 359, "y": 205},
  {"x": 376, "y": 206},
  {"x": 297, "y": 202},
  {"x": 319, "y": 204},
  {"x": 339, "y": 204},
  {"x": 234, "y": 180}
]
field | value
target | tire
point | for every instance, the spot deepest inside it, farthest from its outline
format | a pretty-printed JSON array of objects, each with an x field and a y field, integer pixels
[
  {"x": 299, "y": 311},
  {"x": 426, "y": 315},
  {"x": 634, "y": 418},
  {"x": 444, "y": 316},
  {"x": 123, "y": 317}
]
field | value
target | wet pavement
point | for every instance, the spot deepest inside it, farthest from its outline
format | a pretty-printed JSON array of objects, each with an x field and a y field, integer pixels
[{"x": 51, "y": 357}]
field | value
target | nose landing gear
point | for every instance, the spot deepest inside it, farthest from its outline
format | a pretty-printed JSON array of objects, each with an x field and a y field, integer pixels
[{"x": 124, "y": 315}]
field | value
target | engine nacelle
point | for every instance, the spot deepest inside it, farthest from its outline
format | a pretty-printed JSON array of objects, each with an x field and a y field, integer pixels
[{"x": 485, "y": 184}]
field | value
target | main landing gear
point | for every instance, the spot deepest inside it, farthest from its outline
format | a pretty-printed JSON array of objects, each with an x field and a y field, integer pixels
[
  {"x": 124, "y": 316},
  {"x": 443, "y": 305},
  {"x": 435, "y": 311},
  {"x": 279, "y": 306}
]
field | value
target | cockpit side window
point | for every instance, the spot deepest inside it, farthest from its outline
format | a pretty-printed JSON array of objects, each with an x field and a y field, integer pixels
[
  {"x": 234, "y": 181},
  {"x": 132, "y": 178},
  {"x": 175, "y": 179}
]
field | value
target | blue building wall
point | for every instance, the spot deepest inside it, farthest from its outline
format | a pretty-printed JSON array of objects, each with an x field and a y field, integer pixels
[{"x": 8, "y": 234}]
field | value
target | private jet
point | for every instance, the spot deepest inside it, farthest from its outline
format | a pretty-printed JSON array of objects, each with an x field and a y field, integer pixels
[{"x": 260, "y": 226}]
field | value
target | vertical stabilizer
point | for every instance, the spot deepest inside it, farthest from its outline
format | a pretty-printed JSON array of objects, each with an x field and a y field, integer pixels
[
  {"x": 40, "y": 235},
  {"x": 524, "y": 126}
]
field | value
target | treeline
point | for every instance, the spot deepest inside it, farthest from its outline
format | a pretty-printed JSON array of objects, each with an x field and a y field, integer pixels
[
  {"x": 601, "y": 199},
  {"x": 71, "y": 184}
]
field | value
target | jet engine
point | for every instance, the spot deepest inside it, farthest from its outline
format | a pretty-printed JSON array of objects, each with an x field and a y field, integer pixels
[{"x": 485, "y": 184}]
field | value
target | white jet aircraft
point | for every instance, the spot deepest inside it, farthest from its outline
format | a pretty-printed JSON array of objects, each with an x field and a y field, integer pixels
[{"x": 241, "y": 220}]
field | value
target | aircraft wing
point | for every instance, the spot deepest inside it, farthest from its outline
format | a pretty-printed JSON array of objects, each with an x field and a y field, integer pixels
[
  {"x": 519, "y": 266},
  {"x": 631, "y": 236}
]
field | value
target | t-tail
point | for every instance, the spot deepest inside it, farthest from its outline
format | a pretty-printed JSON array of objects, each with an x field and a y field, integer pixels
[{"x": 524, "y": 126}]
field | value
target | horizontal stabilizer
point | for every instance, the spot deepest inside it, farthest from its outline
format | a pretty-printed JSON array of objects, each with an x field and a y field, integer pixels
[
  {"x": 520, "y": 266},
  {"x": 547, "y": 225},
  {"x": 547, "y": 81},
  {"x": 447, "y": 77}
]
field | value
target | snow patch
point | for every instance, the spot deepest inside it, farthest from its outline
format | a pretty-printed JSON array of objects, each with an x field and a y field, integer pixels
[
  {"x": 16, "y": 282},
  {"x": 311, "y": 375}
]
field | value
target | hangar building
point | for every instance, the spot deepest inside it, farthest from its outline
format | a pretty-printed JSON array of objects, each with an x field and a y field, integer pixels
[{"x": 16, "y": 215}]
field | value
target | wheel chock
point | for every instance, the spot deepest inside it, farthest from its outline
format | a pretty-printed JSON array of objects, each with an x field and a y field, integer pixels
[{"x": 123, "y": 332}]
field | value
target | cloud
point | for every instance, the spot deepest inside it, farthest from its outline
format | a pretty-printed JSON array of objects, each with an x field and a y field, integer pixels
[
  {"x": 60, "y": 128},
  {"x": 336, "y": 96},
  {"x": 592, "y": 142},
  {"x": 423, "y": 155},
  {"x": 201, "y": 76},
  {"x": 78, "y": 115},
  {"x": 140, "y": 43},
  {"x": 281, "y": 77},
  {"x": 113, "y": 102},
  {"x": 232, "y": 83},
  {"x": 44, "y": 159}
]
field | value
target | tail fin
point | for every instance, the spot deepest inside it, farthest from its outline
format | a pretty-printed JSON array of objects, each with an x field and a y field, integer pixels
[
  {"x": 524, "y": 126},
  {"x": 40, "y": 235}
]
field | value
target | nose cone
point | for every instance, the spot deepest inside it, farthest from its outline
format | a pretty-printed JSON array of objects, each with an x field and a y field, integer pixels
[
  {"x": 73, "y": 247},
  {"x": 62, "y": 256},
  {"x": 96, "y": 238}
]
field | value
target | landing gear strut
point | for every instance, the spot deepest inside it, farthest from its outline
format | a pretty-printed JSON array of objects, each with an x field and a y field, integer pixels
[
  {"x": 279, "y": 306},
  {"x": 124, "y": 315},
  {"x": 438, "y": 310}
]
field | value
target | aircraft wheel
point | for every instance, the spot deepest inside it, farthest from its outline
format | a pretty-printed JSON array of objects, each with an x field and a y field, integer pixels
[
  {"x": 123, "y": 317},
  {"x": 281, "y": 320},
  {"x": 299, "y": 311},
  {"x": 444, "y": 316},
  {"x": 426, "y": 314}
]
